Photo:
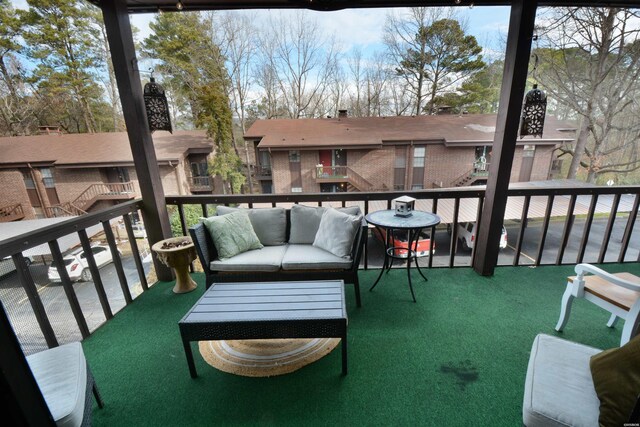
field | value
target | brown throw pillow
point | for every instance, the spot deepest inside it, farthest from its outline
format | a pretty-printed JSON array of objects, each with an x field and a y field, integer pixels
[{"x": 616, "y": 378}]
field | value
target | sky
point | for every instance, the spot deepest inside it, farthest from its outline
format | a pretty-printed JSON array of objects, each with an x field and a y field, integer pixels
[{"x": 363, "y": 28}]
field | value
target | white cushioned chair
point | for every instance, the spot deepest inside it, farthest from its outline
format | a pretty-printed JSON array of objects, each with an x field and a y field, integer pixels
[
  {"x": 617, "y": 293},
  {"x": 559, "y": 389},
  {"x": 66, "y": 382}
]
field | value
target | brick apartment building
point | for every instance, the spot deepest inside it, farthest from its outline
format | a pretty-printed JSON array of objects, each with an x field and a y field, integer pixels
[
  {"x": 393, "y": 153},
  {"x": 68, "y": 174}
]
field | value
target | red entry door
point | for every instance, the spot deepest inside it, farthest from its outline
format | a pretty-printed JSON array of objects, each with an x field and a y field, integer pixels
[{"x": 325, "y": 157}]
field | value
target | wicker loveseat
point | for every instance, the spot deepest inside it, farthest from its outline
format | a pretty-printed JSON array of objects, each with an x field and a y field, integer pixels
[{"x": 288, "y": 259}]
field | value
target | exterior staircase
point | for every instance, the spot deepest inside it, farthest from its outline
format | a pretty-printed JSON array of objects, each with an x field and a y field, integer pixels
[
  {"x": 10, "y": 213},
  {"x": 479, "y": 170},
  {"x": 103, "y": 191},
  {"x": 94, "y": 193},
  {"x": 63, "y": 209}
]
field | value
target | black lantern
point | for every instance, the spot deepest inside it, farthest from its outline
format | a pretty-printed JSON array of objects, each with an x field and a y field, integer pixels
[
  {"x": 533, "y": 112},
  {"x": 155, "y": 101}
]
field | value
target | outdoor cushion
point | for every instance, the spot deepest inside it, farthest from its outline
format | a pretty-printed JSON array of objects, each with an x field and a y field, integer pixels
[
  {"x": 336, "y": 232},
  {"x": 268, "y": 258},
  {"x": 558, "y": 388},
  {"x": 232, "y": 234},
  {"x": 269, "y": 224},
  {"x": 305, "y": 221},
  {"x": 616, "y": 378},
  {"x": 61, "y": 374},
  {"x": 307, "y": 257}
]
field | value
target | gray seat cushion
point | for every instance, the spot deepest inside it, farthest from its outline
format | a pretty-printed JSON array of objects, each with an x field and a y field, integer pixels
[
  {"x": 307, "y": 257},
  {"x": 61, "y": 374},
  {"x": 269, "y": 258},
  {"x": 558, "y": 389},
  {"x": 269, "y": 224}
]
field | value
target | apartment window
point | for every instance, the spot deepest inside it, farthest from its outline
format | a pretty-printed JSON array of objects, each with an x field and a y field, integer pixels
[
  {"x": 47, "y": 178},
  {"x": 199, "y": 169},
  {"x": 417, "y": 181},
  {"x": 418, "y": 157},
  {"x": 295, "y": 171},
  {"x": 264, "y": 160},
  {"x": 28, "y": 180},
  {"x": 400, "y": 168},
  {"x": 294, "y": 156}
]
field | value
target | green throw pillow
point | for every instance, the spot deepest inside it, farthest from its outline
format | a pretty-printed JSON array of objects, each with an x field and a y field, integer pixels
[
  {"x": 232, "y": 234},
  {"x": 616, "y": 378}
]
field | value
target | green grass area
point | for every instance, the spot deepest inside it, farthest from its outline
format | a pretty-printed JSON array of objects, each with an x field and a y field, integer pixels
[{"x": 456, "y": 357}]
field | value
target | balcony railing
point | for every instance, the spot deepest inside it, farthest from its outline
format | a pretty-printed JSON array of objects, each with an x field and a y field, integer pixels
[
  {"x": 200, "y": 183},
  {"x": 331, "y": 172},
  {"x": 562, "y": 225},
  {"x": 29, "y": 298},
  {"x": 263, "y": 172}
]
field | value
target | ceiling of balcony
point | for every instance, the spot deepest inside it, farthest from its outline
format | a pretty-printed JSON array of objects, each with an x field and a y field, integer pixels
[{"x": 146, "y": 6}]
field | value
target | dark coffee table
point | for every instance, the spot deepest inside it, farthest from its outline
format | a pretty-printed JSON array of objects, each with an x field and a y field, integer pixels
[{"x": 267, "y": 310}]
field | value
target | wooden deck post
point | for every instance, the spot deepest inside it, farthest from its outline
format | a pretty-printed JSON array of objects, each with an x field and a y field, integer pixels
[
  {"x": 125, "y": 65},
  {"x": 514, "y": 79}
]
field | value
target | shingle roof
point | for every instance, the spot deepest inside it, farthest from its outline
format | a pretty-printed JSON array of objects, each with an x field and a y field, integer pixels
[
  {"x": 373, "y": 131},
  {"x": 98, "y": 148}
]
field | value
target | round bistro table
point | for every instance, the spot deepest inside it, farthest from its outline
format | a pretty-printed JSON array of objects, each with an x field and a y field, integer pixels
[{"x": 413, "y": 224}]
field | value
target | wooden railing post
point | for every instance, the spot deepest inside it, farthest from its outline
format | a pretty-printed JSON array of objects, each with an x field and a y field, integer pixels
[
  {"x": 125, "y": 64},
  {"x": 514, "y": 79}
]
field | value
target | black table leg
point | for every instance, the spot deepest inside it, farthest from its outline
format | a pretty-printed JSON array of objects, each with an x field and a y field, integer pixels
[
  {"x": 409, "y": 255},
  {"x": 415, "y": 243},
  {"x": 190, "y": 362},
  {"x": 385, "y": 262}
]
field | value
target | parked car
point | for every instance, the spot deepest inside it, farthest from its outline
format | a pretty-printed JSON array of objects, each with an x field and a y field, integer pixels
[
  {"x": 400, "y": 238},
  {"x": 77, "y": 265},
  {"x": 7, "y": 266},
  {"x": 467, "y": 235},
  {"x": 139, "y": 231}
]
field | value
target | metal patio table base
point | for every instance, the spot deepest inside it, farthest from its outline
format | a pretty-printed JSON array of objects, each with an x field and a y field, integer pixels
[
  {"x": 413, "y": 225},
  {"x": 267, "y": 310}
]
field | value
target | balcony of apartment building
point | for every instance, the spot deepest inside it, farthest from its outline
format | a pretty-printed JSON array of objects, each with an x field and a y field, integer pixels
[
  {"x": 438, "y": 361},
  {"x": 200, "y": 184}
]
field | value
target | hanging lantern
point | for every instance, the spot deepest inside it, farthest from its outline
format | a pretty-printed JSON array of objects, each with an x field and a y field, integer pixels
[
  {"x": 533, "y": 112},
  {"x": 155, "y": 101}
]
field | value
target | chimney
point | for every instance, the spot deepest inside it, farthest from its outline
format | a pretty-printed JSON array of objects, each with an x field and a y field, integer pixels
[
  {"x": 49, "y": 130},
  {"x": 342, "y": 113}
]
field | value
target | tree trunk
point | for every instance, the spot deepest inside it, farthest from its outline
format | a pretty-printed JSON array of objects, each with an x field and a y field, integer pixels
[{"x": 581, "y": 143}]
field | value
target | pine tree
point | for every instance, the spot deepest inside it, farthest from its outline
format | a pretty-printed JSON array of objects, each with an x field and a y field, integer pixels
[{"x": 60, "y": 38}]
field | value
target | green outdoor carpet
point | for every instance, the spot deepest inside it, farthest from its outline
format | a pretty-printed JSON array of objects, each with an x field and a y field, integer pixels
[{"x": 457, "y": 357}]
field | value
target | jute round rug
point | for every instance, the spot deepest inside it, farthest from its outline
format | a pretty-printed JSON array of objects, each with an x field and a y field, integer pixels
[{"x": 265, "y": 358}]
